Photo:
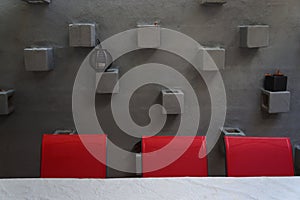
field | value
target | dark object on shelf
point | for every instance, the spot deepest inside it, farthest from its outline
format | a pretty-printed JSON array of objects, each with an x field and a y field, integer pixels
[{"x": 276, "y": 82}]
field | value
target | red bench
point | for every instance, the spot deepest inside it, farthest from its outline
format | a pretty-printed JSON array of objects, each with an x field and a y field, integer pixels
[
  {"x": 258, "y": 156},
  {"x": 188, "y": 164},
  {"x": 65, "y": 156}
]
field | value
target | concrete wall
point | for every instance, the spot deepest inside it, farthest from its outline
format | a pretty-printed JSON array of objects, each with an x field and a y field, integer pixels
[{"x": 43, "y": 100}]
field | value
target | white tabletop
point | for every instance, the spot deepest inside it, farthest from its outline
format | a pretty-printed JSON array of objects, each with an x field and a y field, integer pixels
[{"x": 132, "y": 189}]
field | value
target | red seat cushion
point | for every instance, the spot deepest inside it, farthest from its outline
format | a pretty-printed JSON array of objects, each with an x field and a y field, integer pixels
[
  {"x": 65, "y": 156},
  {"x": 188, "y": 164},
  {"x": 258, "y": 156}
]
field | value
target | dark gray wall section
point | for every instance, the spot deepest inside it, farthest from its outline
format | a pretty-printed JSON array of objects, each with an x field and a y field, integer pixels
[{"x": 43, "y": 100}]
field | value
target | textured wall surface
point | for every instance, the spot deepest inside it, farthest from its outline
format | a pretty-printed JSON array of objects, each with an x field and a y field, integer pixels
[{"x": 43, "y": 100}]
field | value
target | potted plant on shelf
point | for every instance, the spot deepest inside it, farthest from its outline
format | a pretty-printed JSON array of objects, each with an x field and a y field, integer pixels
[{"x": 276, "y": 82}]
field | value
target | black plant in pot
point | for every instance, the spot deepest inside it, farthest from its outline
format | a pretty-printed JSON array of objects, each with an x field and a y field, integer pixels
[{"x": 276, "y": 82}]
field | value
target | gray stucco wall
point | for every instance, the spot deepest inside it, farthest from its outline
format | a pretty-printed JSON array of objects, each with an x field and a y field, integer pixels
[{"x": 43, "y": 100}]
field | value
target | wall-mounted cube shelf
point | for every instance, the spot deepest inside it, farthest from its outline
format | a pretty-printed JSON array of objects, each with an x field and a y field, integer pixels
[
  {"x": 38, "y": 59},
  {"x": 213, "y": 2},
  {"x": 227, "y": 131},
  {"x": 82, "y": 35},
  {"x": 138, "y": 164},
  {"x": 173, "y": 102},
  {"x": 65, "y": 132},
  {"x": 148, "y": 36},
  {"x": 212, "y": 58},
  {"x": 38, "y": 1},
  {"x": 6, "y": 104},
  {"x": 109, "y": 82},
  {"x": 276, "y": 102},
  {"x": 254, "y": 36}
]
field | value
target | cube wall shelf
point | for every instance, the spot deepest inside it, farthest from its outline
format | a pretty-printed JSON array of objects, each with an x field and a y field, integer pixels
[
  {"x": 38, "y": 59},
  {"x": 64, "y": 132},
  {"x": 276, "y": 102},
  {"x": 38, "y": 1},
  {"x": 212, "y": 58},
  {"x": 254, "y": 36},
  {"x": 213, "y": 2},
  {"x": 148, "y": 36},
  {"x": 173, "y": 102},
  {"x": 228, "y": 131},
  {"x": 82, "y": 35},
  {"x": 138, "y": 165},
  {"x": 6, "y": 104},
  {"x": 107, "y": 82}
]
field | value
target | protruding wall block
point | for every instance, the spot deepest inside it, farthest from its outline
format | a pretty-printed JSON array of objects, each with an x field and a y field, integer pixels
[
  {"x": 38, "y": 59},
  {"x": 6, "y": 104},
  {"x": 213, "y": 2},
  {"x": 276, "y": 102},
  {"x": 212, "y": 58},
  {"x": 227, "y": 131},
  {"x": 38, "y": 1},
  {"x": 173, "y": 102},
  {"x": 82, "y": 35},
  {"x": 148, "y": 36},
  {"x": 65, "y": 132},
  {"x": 138, "y": 161},
  {"x": 107, "y": 82},
  {"x": 254, "y": 36}
]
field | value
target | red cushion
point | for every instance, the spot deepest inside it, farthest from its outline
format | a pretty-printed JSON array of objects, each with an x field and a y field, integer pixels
[
  {"x": 65, "y": 156},
  {"x": 188, "y": 164},
  {"x": 258, "y": 156}
]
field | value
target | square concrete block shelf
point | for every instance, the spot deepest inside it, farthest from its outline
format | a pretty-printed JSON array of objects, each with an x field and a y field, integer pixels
[
  {"x": 108, "y": 83},
  {"x": 276, "y": 102},
  {"x": 6, "y": 104},
  {"x": 173, "y": 102},
  {"x": 228, "y": 131},
  {"x": 254, "y": 36},
  {"x": 148, "y": 36},
  {"x": 38, "y": 59},
  {"x": 212, "y": 58},
  {"x": 38, "y": 1},
  {"x": 213, "y": 2},
  {"x": 82, "y": 35},
  {"x": 138, "y": 164}
]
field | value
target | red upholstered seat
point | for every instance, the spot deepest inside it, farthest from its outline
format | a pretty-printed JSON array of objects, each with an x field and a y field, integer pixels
[
  {"x": 186, "y": 149},
  {"x": 65, "y": 156},
  {"x": 258, "y": 156}
]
